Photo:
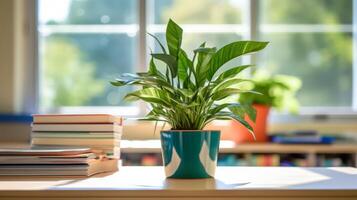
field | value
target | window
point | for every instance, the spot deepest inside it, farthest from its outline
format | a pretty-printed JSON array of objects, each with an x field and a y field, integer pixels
[
  {"x": 311, "y": 39},
  {"x": 83, "y": 44}
]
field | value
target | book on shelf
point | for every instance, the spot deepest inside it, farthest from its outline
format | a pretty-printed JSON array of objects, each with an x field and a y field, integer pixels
[
  {"x": 77, "y": 128},
  {"x": 77, "y": 119},
  {"x": 302, "y": 137}
]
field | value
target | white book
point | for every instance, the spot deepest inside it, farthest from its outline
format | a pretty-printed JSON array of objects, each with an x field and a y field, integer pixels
[
  {"x": 77, "y": 119},
  {"x": 90, "y": 142},
  {"x": 97, "y": 166},
  {"x": 112, "y": 135},
  {"x": 77, "y": 127}
]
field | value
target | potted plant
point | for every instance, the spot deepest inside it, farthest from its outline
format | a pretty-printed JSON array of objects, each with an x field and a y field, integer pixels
[
  {"x": 185, "y": 93},
  {"x": 279, "y": 92}
]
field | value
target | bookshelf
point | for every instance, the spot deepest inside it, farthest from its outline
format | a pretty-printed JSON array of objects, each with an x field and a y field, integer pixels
[{"x": 264, "y": 154}]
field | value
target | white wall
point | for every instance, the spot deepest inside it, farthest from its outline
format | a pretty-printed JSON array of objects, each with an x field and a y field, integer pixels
[{"x": 17, "y": 60}]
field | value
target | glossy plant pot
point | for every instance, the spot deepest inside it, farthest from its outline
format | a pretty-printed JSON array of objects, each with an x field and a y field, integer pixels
[
  {"x": 190, "y": 154},
  {"x": 242, "y": 134}
]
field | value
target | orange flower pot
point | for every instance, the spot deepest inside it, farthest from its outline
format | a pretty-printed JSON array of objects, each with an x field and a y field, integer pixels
[{"x": 241, "y": 133}]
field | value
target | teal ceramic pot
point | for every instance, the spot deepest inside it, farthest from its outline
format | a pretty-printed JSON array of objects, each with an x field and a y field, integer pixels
[{"x": 190, "y": 154}]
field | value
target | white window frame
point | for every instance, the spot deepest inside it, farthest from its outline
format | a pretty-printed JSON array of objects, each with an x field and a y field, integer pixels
[{"x": 250, "y": 29}]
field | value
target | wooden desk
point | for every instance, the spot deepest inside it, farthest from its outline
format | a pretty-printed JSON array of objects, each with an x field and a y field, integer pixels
[{"x": 266, "y": 183}]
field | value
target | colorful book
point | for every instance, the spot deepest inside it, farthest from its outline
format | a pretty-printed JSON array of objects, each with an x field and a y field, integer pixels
[{"x": 77, "y": 119}]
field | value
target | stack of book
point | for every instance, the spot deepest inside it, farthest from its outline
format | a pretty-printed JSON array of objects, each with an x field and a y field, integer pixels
[
  {"x": 53, "y": 161},
  {"x": 99, "y": 132}
]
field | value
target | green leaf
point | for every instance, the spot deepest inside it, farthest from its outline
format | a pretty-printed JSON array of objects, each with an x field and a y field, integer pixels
[
  {"x": 206, "y": 50},
  {"x": 153, "y": 71},
  {"x": 251, "y": 112},
  {"x": 231, "y": 51},
  {"x": 232, "y": 72},
  {"x": 228, "y": 83},
  {"x": 224, "y": 93},
  {"x": 218, "y": 108},
  {"x": 158, "y": 41},
  {"x": 184, "y": 64},
  {"x": 150, "y": 95},
  {"x": 243, "y": 109},
  {"x": 185, "y": 95},
  {"x": 204, "y": 57},
  {"x": 169, "y": 60},
  {"x": 173, "y": 38},
  {"x": 117, "y": 83},
  {"x": 244, "y": 123}
]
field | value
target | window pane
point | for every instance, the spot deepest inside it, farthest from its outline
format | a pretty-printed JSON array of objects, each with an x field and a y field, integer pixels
[
  {"x": 216, "y": 22},
  {"x": 311, "y": 39},
  {"x": 77, "y": 68},
  {"x": 88, "y": 12},
  {"x": 80, "y": 54},
  {"x": 197, "y": 11},
  {"x": 192, "y": 41},
  {"x": 322, "y": 60},
  {"x": 306, "y": 11}
]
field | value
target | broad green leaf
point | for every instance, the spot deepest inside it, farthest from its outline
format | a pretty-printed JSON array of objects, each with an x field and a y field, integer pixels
[
  {"x": 150, "y": 95},
  {"x": 205, "y": 50},
  {"x": 243, "y": 110},
  {"x": 152, "y": 67},
  {"x": 204, "y": 56},
  {"x": 231, "y": 51},
  {"x": 184, "y": 64},
  {"x": 173, "y": 38},
  {"x": 224, "y": 93},
  {"x": 232, "y": 72},
  {"x": 251, "y": 112},
  {"x": 228, "y": 83},
  {"x": 153, "y": 71},
  {"x": 169, "y": 60},
  {"x": 244, "y": 123},
  {"x": 218, "y": 108}
]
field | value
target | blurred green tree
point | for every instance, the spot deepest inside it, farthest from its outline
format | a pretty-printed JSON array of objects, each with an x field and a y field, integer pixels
[
  {"x": 323, "y": 60},
  {"x": 69, "y": 78}
]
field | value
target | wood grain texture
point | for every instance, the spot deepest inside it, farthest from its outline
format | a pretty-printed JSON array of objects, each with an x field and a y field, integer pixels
[{"x": 150, "y": 183}]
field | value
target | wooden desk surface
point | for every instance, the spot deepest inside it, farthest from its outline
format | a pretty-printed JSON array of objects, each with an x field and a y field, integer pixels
[{"x": 231, "y": 183}]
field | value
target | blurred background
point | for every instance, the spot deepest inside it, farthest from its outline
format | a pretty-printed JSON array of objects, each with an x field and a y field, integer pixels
[{"x": 57, "y": 56}]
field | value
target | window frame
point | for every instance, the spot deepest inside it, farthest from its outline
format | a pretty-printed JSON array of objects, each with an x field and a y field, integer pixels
[{"x": 254, "y": 31}]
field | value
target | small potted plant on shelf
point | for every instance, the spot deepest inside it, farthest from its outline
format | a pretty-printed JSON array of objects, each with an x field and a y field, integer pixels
[
  {"x": 185, "y": 93},
  {"x": 279, "y": 92}
]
